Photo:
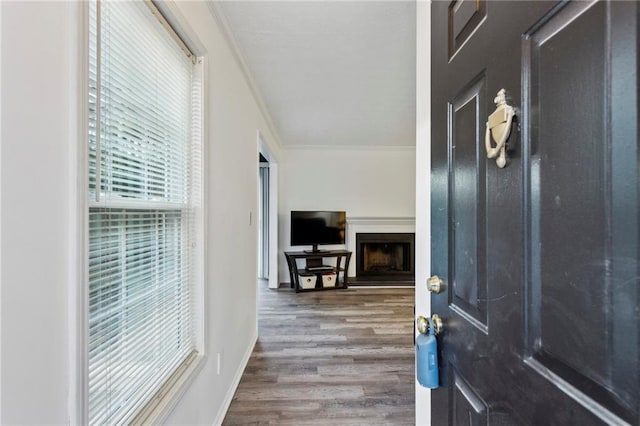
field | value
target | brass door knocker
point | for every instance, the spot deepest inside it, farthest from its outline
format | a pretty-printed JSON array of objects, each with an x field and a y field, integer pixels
[{"x": 499, "y": 128}]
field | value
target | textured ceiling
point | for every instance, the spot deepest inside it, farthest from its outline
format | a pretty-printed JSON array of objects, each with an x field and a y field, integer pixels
[{"x": 331, "y": 72}]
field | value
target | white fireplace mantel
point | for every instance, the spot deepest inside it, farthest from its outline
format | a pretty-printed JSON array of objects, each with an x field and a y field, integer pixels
[{"x": 376, "y": 225}]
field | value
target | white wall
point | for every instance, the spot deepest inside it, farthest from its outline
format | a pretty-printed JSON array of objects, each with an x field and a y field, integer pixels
[
  {"x": 38, "y": 86},
  {"x": 39, "y": 196},
  {"x": 364, "y": 182},
  {"x": 232, "y": 120}
]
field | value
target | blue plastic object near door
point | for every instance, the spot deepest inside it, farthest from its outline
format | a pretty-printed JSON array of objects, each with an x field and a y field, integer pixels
[{"x": 427, "y": 360}]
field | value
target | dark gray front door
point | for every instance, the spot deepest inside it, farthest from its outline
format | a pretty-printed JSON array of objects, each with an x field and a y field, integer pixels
[{"x": 541, "y": 258}]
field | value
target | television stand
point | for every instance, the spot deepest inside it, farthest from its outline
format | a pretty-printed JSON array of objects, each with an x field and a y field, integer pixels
[
  {"x": 323, "y": 268},
  {"x": 329, "y": 276}
]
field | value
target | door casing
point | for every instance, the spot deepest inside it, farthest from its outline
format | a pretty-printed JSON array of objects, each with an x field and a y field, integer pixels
[{"x": 423, "y": 184}]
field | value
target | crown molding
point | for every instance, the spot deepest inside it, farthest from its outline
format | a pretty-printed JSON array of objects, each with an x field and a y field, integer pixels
[{"x": 218, "y": 15}]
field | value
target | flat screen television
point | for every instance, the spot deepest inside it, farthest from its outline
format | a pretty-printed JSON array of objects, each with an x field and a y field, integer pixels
[{"x": 314, "y": 228}]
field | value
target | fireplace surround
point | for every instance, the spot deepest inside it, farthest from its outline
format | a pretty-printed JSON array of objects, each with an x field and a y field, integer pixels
[
  {"x": 385, "y": 256},
  {"x": 379, "y": 225}
]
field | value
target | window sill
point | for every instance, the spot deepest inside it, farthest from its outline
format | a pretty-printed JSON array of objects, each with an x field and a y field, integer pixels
[{"x": 159, "y": 408}]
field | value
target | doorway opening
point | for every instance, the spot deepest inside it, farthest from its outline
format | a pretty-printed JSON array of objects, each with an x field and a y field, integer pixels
[
  {"x": 267, "y": 229},
  {"x": 263, "y": 218}
]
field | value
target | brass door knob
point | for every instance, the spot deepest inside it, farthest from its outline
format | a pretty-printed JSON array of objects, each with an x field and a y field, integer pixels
[
  {"x": 435, "y": 284},
  {"x": 423, "y": 324},
  {"x": 436, "y": 323}
]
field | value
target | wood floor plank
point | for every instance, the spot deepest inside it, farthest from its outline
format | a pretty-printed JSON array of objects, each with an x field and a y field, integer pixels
[
  {"x": 297, "y": 392},
  {"x": 342, "y": 357},
  {"x": 318, "y": 378}
]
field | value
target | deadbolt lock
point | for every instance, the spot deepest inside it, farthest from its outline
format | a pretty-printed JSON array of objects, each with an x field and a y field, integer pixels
[{"x": 435, "y": 284}]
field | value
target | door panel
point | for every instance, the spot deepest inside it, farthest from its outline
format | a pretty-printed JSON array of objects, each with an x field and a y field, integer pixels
[
  {"x": 463, "y": 19},
  {"x": 568, "y": 275},
  {"x": 540, "y": 258},
  {"x": 468, "y": 407},
  {"x": 467, "y": 203},
  {"x": 574, "y": 283}
]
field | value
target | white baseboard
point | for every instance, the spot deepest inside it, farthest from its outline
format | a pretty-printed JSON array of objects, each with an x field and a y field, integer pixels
[{"x": 236, "y": 381}]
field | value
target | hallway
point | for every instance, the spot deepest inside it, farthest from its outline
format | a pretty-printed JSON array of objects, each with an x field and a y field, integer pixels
[{"x": 341, "y": 357}]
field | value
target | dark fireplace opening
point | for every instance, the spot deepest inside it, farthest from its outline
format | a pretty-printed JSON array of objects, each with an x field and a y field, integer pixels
[{"x": 385, "y": 256}]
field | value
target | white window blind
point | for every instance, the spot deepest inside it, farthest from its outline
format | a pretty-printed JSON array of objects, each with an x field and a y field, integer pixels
[{"x": 144, "y": 159}]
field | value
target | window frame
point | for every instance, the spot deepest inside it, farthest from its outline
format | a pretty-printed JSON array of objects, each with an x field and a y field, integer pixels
[{"x": 167, "y": 397}]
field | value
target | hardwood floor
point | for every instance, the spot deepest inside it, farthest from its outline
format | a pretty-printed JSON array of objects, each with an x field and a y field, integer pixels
[{"x": 330, "y": 357}]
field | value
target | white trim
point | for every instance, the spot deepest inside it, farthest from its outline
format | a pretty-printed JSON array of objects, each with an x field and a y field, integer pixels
[
  {"x": 400, "y": 148},
  {"x": 423, "y": 184},
  {"x": 376, "y": 225},
  {"x": 181, "y": 26},
  {"x": 117, "y": 202},
  {"x": 174, "y": 34},
  {"x": 381, "y": 221},
  {"x": 224, "y": 407},
  {"x": 159, "y": 413},
  {"x": 272, "y": 152},
  {"x": 273, "y": 225},
  {"x": 200, "y": 288},
  {"x": 267, "y": 151},
  {"x": 78, "y": 221},
  {"x": 219, "y": 16},
  {"x": 1, "y": 214}
]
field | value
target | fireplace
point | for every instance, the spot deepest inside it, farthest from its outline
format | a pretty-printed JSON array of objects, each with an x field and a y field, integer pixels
[{"x": 385, "y": 256}]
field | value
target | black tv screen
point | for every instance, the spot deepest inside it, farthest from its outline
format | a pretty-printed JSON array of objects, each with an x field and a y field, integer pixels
[{"x": 313, "y": 228}]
